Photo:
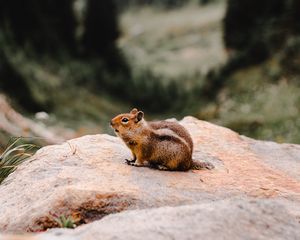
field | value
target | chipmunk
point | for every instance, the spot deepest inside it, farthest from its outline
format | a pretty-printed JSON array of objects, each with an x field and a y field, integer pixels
[{"x": 164, "y": 145}]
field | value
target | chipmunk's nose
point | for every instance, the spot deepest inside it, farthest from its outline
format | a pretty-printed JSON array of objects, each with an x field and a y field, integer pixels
[{"x": 111, "y": 123}]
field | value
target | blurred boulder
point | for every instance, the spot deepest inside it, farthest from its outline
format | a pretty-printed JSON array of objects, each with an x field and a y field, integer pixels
[{"x": 13, "y": 124}]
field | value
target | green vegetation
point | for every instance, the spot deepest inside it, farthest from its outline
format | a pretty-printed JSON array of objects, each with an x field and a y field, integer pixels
[
  {"x": 14, "y": 155},
  {"x": 65, "y": 222},
  {"x": 265, "y": 109}
]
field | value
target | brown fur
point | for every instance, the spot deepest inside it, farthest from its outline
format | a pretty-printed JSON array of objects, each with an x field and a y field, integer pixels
[
  {"x": 164, "y": 144},
  {"x": 175, "y": 127}
]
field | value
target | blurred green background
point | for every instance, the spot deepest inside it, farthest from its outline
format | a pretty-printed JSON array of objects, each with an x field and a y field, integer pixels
[{"x": 68, "y": 66}]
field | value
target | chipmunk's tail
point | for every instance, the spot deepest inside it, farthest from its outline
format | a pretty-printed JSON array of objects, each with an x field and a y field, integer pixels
[{"x": 201, "y": 165}]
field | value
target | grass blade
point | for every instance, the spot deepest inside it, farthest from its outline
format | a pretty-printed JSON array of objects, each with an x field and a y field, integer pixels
[{"x": 14, "y": 155}]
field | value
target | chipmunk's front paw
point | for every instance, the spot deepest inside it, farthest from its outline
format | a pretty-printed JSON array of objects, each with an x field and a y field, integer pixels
[
  {"x": 137, "y": 165},
  {"x": 130, "y": 162},
  {"x": 134, "y": 163}
]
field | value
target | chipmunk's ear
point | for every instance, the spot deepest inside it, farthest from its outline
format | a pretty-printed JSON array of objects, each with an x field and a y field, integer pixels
[
  {"x": 133, "y": 111},
  {"x": 139, "y": 116}
]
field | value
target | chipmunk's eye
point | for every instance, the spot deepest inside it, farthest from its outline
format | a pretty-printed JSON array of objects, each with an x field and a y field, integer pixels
[{"x": 124, "y": 120}]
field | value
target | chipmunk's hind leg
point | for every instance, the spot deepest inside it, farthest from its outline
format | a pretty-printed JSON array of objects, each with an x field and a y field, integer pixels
[
  {"x": 158, "y": 167},
  {"x": 162, "y": 168}
]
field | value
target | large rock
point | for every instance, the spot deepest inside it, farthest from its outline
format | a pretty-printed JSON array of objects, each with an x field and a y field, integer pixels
[
  {"x": 223, "y": 219},
  {"x": 87, "y": 179}
]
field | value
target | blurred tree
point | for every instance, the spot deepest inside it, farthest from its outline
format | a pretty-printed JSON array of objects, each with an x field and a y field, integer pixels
[
  {"x": 123, "y": 4},
  {"x": 99, "y": 41},
  {"x": 100, "y": 18},
  {"x": 255, "y": 30},
  {"x": 203, "y": 2},
  {"x": 258, "y": 28},
  {"x": 13, "y": 84},
  {"x": 46, "y": 26},
  {"x": 292, "y": 16},
  {"x": 101, "y": 31}
]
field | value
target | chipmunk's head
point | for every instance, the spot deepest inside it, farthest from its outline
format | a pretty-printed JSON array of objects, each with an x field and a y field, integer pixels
[{"x": 127, "y": 123}]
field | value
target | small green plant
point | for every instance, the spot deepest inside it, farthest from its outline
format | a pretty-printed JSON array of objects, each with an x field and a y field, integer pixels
[
  {"x": 65, "y": 222},
  {"x": 14, "y": 155}
]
